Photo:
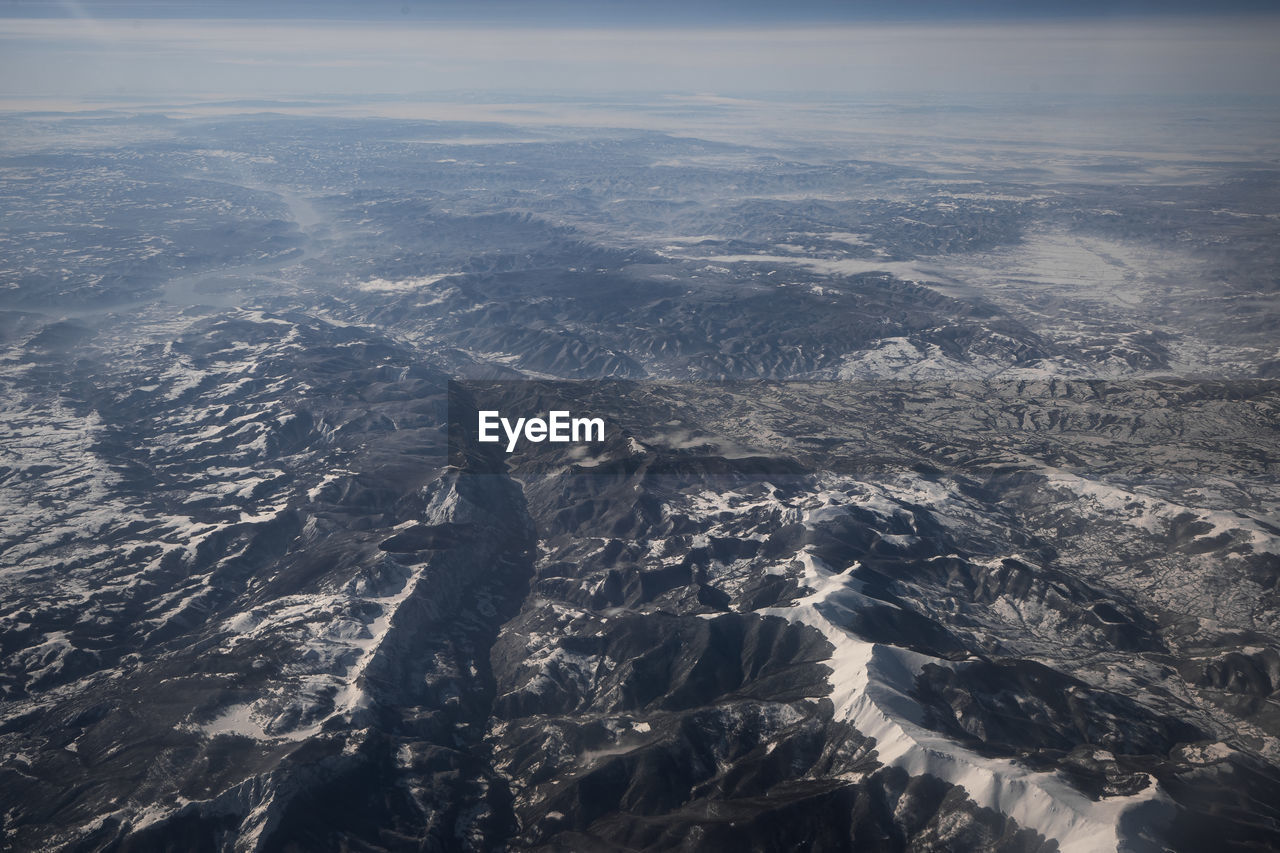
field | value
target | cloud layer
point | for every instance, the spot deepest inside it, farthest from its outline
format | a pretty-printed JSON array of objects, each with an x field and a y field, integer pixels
[{"x": 168, "y": 57}]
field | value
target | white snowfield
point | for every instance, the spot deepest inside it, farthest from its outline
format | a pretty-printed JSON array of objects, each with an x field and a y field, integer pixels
[{"x": 870, "y": 690}]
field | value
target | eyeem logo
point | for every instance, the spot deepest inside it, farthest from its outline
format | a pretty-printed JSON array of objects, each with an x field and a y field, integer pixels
[{"x": 557, "y": 427}]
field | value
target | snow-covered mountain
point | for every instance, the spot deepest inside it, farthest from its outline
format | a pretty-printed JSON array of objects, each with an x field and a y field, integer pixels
[{"x": 937, "y": 509}]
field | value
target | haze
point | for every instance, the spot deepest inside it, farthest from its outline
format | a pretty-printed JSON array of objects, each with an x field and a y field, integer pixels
[{"x": 88, "y": 56}]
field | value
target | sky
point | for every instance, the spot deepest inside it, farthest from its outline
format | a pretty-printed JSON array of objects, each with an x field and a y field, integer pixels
[{"x": 73, "y": 49}]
